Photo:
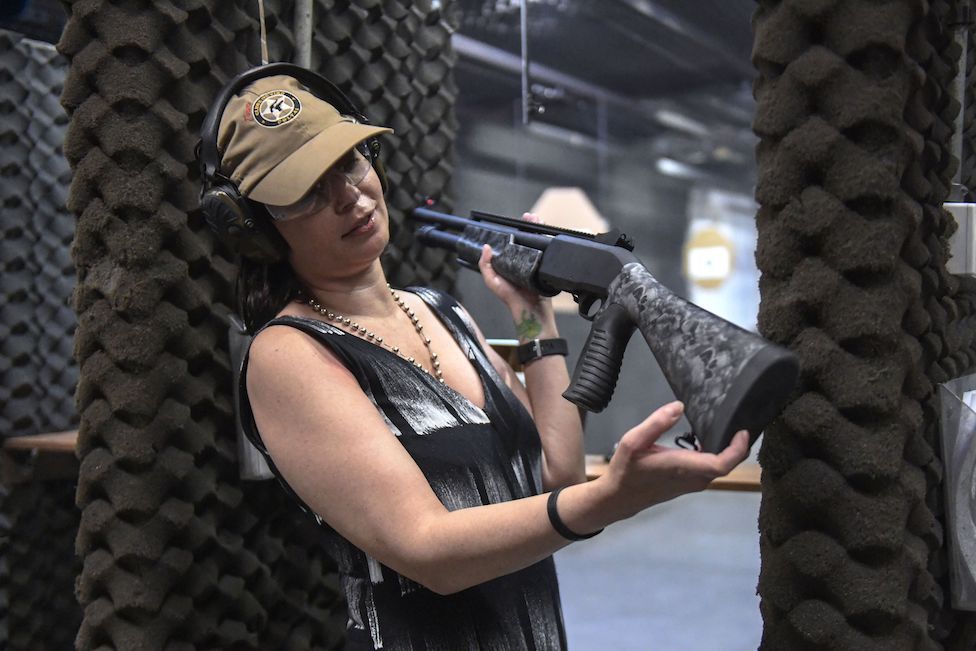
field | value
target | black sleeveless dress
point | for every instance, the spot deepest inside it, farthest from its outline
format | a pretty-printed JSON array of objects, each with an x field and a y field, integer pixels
[{"x": 471, "y": 457}]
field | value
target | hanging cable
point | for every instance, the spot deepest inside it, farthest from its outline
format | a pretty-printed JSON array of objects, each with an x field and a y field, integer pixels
[
  {"x": 264, "y": 34},
  {"x": 303, "y": 33},
  {"x": 526, "y": 91}
]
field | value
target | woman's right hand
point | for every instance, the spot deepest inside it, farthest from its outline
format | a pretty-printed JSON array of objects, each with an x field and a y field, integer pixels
[{"x": 643, "y": 473}]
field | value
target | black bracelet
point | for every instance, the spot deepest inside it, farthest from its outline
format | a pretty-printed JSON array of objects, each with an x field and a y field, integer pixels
[
  {"x": 557, "y": 522},
  {"x": 537, "y": 348}
]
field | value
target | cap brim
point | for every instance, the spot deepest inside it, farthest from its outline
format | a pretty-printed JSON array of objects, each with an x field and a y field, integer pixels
[{"x": 289, "y": 180}]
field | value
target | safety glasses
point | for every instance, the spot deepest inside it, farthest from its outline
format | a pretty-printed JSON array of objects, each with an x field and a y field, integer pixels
[{"x": 351, "y": 168}]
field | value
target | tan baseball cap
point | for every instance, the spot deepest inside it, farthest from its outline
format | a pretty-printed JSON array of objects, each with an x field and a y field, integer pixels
[{"x": 276, "y": 139}]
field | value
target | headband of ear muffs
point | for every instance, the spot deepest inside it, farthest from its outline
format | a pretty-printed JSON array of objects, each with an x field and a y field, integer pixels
[{"x": 245, "y": 225}]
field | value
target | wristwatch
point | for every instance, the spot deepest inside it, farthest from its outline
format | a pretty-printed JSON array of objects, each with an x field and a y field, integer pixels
[{"x": 537, "y": 348}]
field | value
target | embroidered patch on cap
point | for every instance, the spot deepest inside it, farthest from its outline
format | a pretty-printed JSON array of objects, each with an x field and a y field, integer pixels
[{"x": 275, "y": 108}]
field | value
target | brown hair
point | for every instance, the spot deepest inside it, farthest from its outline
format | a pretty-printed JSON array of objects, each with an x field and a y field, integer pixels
[{"x": 263, "y": 290}]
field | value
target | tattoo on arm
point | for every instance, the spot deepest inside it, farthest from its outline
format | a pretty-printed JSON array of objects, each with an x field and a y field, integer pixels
[{"x": 528, "y": 327}]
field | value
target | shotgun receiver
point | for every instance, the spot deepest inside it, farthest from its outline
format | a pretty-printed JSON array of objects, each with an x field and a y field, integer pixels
[{"x": 728, "y": 378}]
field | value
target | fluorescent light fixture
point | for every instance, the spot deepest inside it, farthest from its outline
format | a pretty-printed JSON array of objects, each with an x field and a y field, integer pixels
[
  {"x": 676, "y": 169},
  {"x": 681, "y": 122}
]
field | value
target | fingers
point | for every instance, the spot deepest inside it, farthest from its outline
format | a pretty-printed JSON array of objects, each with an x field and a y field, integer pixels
[
  {"x": 498, "y": 285},
  {"x": 735, "y": 453},
  {"x": 531, "y": 217},
  {"x": 650, "y": 430},
  {"x": 484, "y": 264}
]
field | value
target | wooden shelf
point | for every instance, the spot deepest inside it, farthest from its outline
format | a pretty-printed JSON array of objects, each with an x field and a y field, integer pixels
[
  {"x": 59, "y": 442},
  {"x": 743, "y": 478},
  {"x": 39, "y": 457}
]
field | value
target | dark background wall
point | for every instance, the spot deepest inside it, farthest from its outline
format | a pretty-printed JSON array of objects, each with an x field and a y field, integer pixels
[{"x": 38, "y": 375}]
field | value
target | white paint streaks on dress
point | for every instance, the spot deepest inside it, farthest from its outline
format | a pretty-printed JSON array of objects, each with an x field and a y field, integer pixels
[
  {"x": 353, "y": 590},
  {"x": 520, "y": 476},
  {"x": 495, "y": 486},
  {"x": 457, "y": 492},
  {"x": 410, "y": 391},
  {"x": 542, "y": 619},
  {"x": 375, "y": 570},
  {"x": 389, "y": 423},
  {"x": 464, "y": 316},
  {"x": 374, "y": 624}
]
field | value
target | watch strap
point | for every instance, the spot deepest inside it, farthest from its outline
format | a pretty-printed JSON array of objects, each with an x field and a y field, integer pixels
[{"x": 537, "y": 348}]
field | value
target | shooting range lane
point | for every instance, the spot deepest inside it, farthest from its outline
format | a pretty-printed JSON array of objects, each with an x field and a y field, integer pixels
[{"x": 680, "y": 576}]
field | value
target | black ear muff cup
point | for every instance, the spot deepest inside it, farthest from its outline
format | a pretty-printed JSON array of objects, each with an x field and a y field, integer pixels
[{"x": 232, "y": 219}]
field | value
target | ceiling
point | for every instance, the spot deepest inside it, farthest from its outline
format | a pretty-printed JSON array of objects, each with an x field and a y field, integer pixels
[
  {"x": 639, "y": 48},
  {"x": 671, "y": 76},
  {"x": 675, "y": 73}
]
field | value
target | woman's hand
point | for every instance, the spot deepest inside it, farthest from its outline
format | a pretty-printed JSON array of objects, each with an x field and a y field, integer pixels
[
  {"x": 532, "y": 313},
  {"x": 643, "y": 473}
]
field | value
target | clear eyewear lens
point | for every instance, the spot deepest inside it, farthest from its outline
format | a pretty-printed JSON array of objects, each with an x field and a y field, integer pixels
[
  {"x": 321, "y": 193},
  {"x": 358, "y": 170},
  {"x": 300, "y": 208}
]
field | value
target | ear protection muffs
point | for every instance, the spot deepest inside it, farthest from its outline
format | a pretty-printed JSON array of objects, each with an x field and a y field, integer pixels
[{"x": 243, "y": 224}]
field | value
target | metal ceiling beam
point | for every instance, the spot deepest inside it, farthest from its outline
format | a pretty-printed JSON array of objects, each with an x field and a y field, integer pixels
[
  {"x": 660, "y": 113},
  {"x": 666, "y": 114},
  {"x": 638, "y": 36},
  {"x": 504, "y": 60},
  {"x": 655, "y": 12},
  {"x": 656, "y": 111}
]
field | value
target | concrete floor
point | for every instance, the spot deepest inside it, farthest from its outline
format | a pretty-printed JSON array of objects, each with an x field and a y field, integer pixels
[{"x": 679, "y": 576}]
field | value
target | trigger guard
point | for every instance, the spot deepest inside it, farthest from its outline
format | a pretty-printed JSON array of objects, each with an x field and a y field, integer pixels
[{"x": 585, "y": 303}]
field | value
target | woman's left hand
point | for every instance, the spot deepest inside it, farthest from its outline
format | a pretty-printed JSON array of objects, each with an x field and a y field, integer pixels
[{"x": 530, "y": 310}]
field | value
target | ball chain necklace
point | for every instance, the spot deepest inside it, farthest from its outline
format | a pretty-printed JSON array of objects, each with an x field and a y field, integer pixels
[{"x": 369, "y": 335}]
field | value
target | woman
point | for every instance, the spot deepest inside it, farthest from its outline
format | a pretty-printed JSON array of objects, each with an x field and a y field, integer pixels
[{"x": 442, "y": 483}]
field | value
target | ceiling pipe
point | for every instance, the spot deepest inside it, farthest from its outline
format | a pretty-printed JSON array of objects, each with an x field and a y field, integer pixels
[
  {"x": 524, "y": 42},
  {"x": 660, "y": 15},
  {"x": 664, "y": 114},
  {"x": 302, "y": 27},
  {"x": 637, "y": 35},
  {"x": 502, "y": 60},
  {"x": 508, "y": 62}
]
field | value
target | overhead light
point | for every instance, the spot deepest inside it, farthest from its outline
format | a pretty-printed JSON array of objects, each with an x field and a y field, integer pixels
[
  {"x": 676, "y": 169},
  {"x": 725, "y": 154},
  {"x": 681, "y": 122}
]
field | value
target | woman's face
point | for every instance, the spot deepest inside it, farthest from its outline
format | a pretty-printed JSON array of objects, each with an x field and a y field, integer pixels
[{"x": 340, "y": 228}]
